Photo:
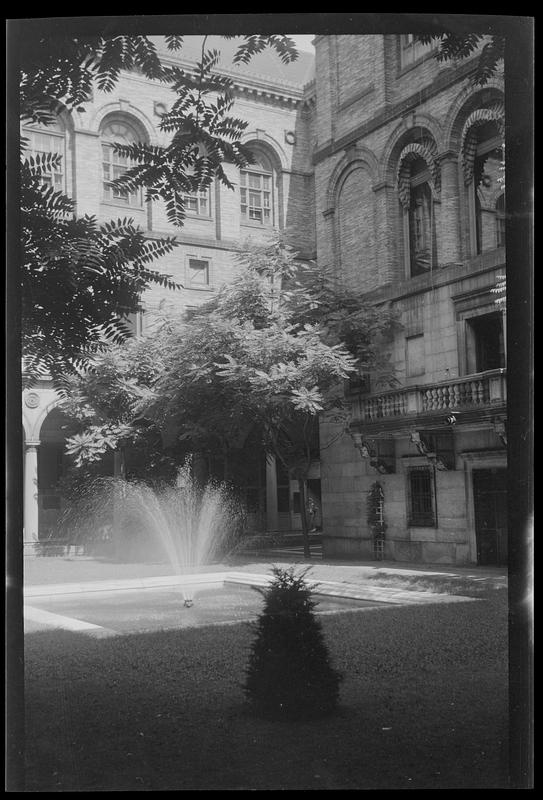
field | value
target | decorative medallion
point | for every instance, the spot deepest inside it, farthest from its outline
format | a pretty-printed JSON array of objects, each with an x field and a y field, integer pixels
[{"x": 32, "y": 400}]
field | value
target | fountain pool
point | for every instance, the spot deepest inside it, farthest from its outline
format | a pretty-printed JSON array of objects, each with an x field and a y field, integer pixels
[{"x": 220, "y": 599}]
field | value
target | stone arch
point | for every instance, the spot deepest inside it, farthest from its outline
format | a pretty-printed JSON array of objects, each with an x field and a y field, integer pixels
[
  {"x": 36, "y": 427},
  {"x": 361, "y": 157},
  {"x": 468, "y": 140},
  {"x": 128, "y": 112},
  {"x": 466, "y": 102},
  {"x": 269, "y": 147},
  {"x": 423, "y": 129},
  {"x": 427, "y": 151}
]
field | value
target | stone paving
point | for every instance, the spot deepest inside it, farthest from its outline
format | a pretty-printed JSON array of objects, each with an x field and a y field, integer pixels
[{"x": 360, "y": 580}]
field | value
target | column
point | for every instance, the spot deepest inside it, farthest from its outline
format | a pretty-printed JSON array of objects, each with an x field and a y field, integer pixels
[
  {"x": 272, "y": 516},
  {"x": 30, "y": 498},
  {"x": 449, "y": 240},
  {"x": 388, "y": 263}
]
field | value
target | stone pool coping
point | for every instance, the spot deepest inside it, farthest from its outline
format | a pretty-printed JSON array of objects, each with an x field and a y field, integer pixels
[{"x": 379, "y": 594}]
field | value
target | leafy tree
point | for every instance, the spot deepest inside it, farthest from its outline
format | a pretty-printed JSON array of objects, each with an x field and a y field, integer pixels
[
  {"x": 79, "y": 279},
  {"x": 109, "y": 402},
  {"x": 289, "y": 674},
  {"x": 453, "y": 46},
  {"x": 266, "y": 356}
]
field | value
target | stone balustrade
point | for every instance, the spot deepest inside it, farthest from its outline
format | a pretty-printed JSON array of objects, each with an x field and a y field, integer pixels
[{"x": 470, "y": 391}]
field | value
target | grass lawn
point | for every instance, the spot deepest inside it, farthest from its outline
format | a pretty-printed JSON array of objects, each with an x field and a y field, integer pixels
[{"x": 423, "y": 705}]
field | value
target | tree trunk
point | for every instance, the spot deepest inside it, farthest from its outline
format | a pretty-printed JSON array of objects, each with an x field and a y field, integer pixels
[
  {"x": 303, "y": 513},
  {"x": 119, "y": 473}
]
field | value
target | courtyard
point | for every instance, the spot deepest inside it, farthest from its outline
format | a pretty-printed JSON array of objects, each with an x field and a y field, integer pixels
[{"x": 160, "y": 704}]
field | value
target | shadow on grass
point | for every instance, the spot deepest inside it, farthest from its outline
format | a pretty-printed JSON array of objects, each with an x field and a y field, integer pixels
[{"x": 423, "y": 705}]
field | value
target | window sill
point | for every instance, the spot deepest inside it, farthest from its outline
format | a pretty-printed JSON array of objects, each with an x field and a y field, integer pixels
[
  {"x": 199, "y": 217},
  {"x": 200, "y": 288},
  {"x": 125, "y": 206},
  {"x": 264, "y": 226},
  {"x": 413, "y": 525}
]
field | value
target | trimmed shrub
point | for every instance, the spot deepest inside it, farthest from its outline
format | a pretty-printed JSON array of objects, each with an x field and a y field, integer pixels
[{"x": 289, "y": 674}]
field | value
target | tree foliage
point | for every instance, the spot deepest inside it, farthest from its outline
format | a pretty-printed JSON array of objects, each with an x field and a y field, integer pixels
[
  {"x": 454, "y": 46},
  {"x": 78, "y": 278},
  {"x": 265, "y": 358}
]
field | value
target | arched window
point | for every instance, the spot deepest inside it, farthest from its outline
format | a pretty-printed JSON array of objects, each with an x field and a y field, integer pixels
[
  {"x": 256, "y": 192},
  {"x": 483, "y": 162},
  {"x": 114, "y": 165},
  {"x": 419, "y": 220},
  {"x": 43, "y": 140},
  {"x": 500, "y": 221}
]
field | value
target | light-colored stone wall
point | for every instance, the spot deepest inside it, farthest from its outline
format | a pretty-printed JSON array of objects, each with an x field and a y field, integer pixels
[
  {"x": 369, "y": 107},
  {"x": 281, "y": 125}
]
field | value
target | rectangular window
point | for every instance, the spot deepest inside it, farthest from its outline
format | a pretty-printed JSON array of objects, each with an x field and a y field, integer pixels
[
  {"x": 415, "y": 365},
  {"x": 412, "y": 50},
  {"x": 485, "y": 343},
  {"x": 421, "y": 497},
  {"x": 114, "y": 166},
  {"x": 198, "y": 204},
  {"x": 42, "y": 144},
  {"x": 198, "y": 273},
  {"x": 422, "y": 234},
  {"x": 255, "y": 195}
]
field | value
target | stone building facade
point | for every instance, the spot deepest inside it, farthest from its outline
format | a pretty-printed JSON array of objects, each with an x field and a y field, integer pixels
[
  {"x": 387, "y": 166},
  {"x": 410, "y": 210}
]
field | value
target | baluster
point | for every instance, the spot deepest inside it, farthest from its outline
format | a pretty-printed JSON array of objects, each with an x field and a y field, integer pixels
[
  {"x": 455, "y": 395},
  {"x": 426, "y": 400},
  {"x": 446, "y": 397},
  {"x": 386, "y": 405}
]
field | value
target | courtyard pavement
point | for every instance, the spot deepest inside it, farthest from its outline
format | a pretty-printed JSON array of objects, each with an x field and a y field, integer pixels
[{"x": 59, "y": 574}]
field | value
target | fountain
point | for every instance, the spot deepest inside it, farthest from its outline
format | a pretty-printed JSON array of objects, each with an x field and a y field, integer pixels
[
  {"x": 188, "y": 525},
  {"x": 194, "y": 525}
]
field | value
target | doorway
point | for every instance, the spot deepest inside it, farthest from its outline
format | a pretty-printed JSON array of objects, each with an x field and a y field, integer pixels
[{"x": 490, "y": 506}]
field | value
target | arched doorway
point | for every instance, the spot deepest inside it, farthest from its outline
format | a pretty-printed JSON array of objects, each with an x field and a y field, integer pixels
[{"x": 53, "y": 463}]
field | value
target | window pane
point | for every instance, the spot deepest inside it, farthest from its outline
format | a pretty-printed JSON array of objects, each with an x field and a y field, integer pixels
[
  {"x": 198, "y": 272},
  {"x": 420, "y": 497}
]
